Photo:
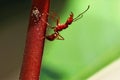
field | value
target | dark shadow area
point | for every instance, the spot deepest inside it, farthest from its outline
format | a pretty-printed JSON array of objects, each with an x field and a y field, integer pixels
[
  {"x": 14, "y": 16},
  {"x": 12, "y": 41},
  {"x": 13, "y": 9}
]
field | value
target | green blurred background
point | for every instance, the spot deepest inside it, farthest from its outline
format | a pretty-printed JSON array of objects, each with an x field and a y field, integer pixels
[{"x": 90, "y": 44}]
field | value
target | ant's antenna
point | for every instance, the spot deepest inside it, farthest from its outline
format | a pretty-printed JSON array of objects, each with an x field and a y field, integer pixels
[{"x": 81, "y": 14}]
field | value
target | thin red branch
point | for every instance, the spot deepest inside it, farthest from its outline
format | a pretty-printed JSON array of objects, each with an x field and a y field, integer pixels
[{"x": 35, "y": 41}]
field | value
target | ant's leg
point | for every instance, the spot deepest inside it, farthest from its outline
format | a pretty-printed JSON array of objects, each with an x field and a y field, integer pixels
[
  {"x": 58, "y": 21},
  {"x": 52, "y": 27},
  {"x": 48, "y": 24},
  {"x": 54, "y": 16},
  {"x": 57, "y": 17},
  {"x": 59, "y": 37}
]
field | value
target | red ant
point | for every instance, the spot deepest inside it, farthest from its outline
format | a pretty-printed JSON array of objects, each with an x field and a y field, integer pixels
[{"x": 59, "y": 27}]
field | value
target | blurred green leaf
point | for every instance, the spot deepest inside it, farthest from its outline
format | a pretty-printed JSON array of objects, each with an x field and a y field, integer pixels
[{"x": 90, "y": 44}]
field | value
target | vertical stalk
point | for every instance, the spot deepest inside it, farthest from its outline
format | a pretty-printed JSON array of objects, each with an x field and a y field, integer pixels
[{"x": 35, "y": 41}]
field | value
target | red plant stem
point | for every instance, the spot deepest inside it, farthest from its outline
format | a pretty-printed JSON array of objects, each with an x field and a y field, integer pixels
[{"x": 35, "y": 42}]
